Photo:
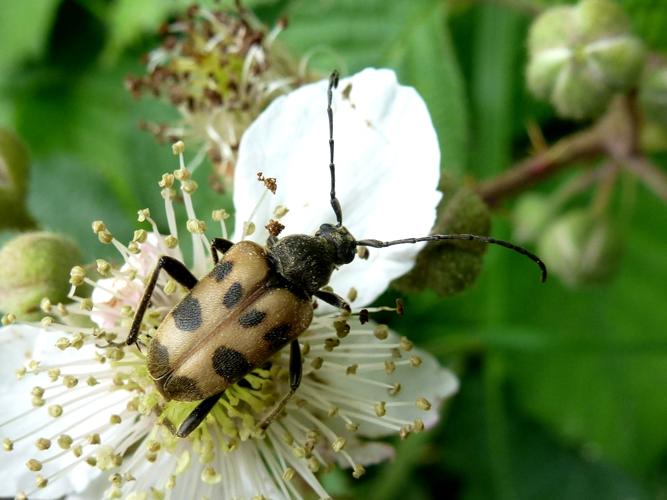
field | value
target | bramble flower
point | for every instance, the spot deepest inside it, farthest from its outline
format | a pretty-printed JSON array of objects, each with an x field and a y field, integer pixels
[
  {"x": 84, "y": 415},
  {"x": 220, "y": 70}
]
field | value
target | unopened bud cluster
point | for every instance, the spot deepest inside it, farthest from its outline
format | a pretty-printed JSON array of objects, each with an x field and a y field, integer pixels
[{"x": 581, "y": 55}]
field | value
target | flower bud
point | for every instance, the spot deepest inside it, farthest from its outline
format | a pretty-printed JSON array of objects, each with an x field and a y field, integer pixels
[
  {"x": 531, "y": 214},
  {"x": 449, "y": 267},
  {"x": 581, "y": 55},
  {"x": 13, "y": 183},
  {"x": 653, "y": 95},
  {"x": 34, "y": 266},
  {"x": 581, "y": 248}
]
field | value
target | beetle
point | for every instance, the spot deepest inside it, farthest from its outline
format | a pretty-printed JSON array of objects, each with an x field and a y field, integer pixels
[{"x": 254, "y": 302}]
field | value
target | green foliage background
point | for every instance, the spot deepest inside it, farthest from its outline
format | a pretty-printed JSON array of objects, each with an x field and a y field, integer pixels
[{"x": 563, "y": 391}]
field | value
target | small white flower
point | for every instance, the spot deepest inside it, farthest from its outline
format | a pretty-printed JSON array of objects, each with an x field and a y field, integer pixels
[{"x": 84, "y": 416}]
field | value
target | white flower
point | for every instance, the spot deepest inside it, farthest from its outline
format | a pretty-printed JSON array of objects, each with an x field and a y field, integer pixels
[{"x": 84, "y": 415}]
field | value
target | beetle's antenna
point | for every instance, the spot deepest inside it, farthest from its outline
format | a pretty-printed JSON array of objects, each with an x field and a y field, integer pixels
[
  {"x": 470, "y": 237},
  {"x": 335, "y": 204}
]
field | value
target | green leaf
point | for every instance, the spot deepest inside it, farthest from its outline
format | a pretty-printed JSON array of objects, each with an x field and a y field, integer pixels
[
  {"x": 410, "y": 37},
  {"x": 536, "y": 463},
  {"x": 24, "y": 29}
]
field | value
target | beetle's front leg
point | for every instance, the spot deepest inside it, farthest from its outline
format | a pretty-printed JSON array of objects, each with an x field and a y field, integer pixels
[
  {"x": 177, "y": 270},
  {"x": 197, "y": 415},
  {"x": 333, "y": 299},
  {"x": 295, "y": 371}
]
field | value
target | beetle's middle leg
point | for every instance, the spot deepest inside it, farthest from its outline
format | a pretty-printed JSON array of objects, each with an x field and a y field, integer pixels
[
  {"x": 295, "y": 371},
  {"x": 177, "y": 270}
]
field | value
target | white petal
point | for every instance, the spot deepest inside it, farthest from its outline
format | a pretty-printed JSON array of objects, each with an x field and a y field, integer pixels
[
  {"x": 387, "y": 170},
  {"x": 15, "y": 399}
]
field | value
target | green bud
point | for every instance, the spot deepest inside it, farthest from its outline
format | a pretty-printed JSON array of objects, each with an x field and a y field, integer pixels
[
  {"x": 449, "y": 267},
  {"x": 13, "y": 183},
  {"x": 531, "y": 214},
  {"x": 581, "y": 248},
  {"x": 653, "y": 96},
  {"x": 581, "y": 55},
  {"x": 34, "y": 266}
]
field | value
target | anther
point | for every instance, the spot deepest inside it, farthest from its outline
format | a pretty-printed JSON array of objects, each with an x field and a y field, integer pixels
[
  {"x": 178, "y": 148},
  {"x": 394, "y": 389},
  {"x": 338, "y": 444},
  {"x": 358, "y": 471},
  {"x": 43, "y": 444},
  {"x": 8, "y": 319},
  {"x": 380, "y": 409},
  {"x": 352, "y": 294},
  {"x": 415, "y": 361},
  {"x": 145, "y": 213},
  {"x": 381, "y": 332},
  {"x": 103, "y": 267},
  {"x": 33, "y": 465},
  {"x": 65, "y": 441},
  {"x": 288, "y": 474},
  {"x": 77, "y": 275},
  {"x": 423, "y": 404},
  {"x": 55, "y": 411},
  {"x": 166, "y": 182},
  {"x": 331, "y": 343}
]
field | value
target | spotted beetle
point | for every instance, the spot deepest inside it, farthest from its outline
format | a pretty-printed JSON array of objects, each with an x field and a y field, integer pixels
[{"x": 255, "y": 301}]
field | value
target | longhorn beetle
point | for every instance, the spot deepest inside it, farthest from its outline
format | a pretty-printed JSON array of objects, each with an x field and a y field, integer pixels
[{"x": 255, "y": 301}]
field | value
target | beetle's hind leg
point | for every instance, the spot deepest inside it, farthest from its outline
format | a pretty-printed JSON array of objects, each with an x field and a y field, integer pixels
[
  {"x": 177, "y": 270},
  {"x": 197, "y": 416},
  {"x": 295, "y": 371},
  {"x": 333, "y": 299},
  {"x": 219, "y": 245}
]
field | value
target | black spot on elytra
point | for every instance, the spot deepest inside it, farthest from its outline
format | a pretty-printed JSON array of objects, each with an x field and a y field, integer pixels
[
  {"x": 158, "y": 359},
  {"x": 233, "y": 295},
  {"x": 230, "y": 364},
  {"x": 220, "y": 271},
  {"x": 251, "y": 318},
  {"x": 187, "y": 314},
  {"x": 183, "y": 389},
  {"x": 278, "y": 336}
]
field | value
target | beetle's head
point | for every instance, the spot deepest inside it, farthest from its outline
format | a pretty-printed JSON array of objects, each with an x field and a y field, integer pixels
[{"x": 343, "y": 243}]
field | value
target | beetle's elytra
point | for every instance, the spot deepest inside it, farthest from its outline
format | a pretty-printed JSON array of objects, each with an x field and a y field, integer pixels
[
  {"x": 233, "y": 320},
  {"x": 255, "y": 301}
]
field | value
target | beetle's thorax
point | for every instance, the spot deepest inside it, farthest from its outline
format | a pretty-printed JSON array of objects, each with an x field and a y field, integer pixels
[{"x": 308, "y": 261}]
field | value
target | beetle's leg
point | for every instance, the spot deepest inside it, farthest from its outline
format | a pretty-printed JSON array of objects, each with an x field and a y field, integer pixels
[
  {"x": 177, "y": 270},
  {"x": 219, "y": 245},
  {"x": 295, "y": 371},
  {"x": 197, "y": 415},
  {"x": 333, "y": 299}
]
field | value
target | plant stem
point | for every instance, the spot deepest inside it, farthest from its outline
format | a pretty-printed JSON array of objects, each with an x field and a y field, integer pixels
[{"x": 582, "y": 145}]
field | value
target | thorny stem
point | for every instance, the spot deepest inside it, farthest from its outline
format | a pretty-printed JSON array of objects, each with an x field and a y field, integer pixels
[{"x": 615, "y": 135}]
